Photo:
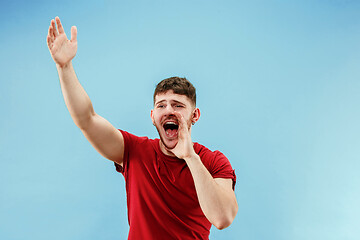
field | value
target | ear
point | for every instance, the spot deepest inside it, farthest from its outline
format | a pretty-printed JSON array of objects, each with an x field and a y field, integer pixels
[
  {"x": 152, "y": 116},
  {"x": 195, "y": 115}
]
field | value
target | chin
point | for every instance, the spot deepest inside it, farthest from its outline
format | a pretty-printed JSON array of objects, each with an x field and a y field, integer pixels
[{"x": 169, "y": 144}]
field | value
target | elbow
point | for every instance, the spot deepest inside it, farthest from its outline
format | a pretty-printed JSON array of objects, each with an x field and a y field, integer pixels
[
  {"x": 222, "y": 225},
  {"x": 226, "y": 220}
]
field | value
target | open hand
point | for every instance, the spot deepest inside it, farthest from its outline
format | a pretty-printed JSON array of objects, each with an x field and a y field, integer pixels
[
  {"x": 61, "y": 49},
  {"x": 184, "y": 148}
]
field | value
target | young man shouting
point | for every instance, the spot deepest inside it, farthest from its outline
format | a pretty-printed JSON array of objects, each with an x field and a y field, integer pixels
[{"x": 175, "y": 188}]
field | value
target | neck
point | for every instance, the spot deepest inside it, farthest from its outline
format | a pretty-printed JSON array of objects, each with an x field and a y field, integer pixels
[{"x": 165, "y": 150}]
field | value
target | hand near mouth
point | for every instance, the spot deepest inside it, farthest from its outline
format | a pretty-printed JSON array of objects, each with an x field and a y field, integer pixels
[{"x": 184, "y": 148}]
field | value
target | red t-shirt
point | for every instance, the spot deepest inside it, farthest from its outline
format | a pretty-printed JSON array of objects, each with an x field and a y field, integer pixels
[{"x": 161, "y": 196}]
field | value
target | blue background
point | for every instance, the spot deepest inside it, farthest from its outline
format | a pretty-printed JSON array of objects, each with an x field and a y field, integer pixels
[{"x": 278, "y": 88}]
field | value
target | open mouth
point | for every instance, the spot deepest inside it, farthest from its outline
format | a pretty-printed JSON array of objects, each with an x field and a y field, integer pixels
[{"x": 171, "y": 129}]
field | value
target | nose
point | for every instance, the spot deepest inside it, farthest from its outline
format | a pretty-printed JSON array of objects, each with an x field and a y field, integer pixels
[{"x": 170, "y": 110}]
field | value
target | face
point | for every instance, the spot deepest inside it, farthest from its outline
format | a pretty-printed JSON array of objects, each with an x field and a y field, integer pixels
[{"x": 166, "y": 122}]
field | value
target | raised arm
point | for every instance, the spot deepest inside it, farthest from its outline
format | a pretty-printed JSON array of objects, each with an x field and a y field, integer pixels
[{"x": 105, "y": 138}]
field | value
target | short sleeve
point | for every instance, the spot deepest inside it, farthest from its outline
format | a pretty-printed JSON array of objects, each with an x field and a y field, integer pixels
[
  {"x": 221, "y": 167},
  {"x": 128, "y": 141}
]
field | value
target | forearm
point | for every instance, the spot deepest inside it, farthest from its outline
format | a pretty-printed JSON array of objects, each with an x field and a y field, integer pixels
[
  {"x": 218, "y": 204},
  {"x": 76, "y": 99}
]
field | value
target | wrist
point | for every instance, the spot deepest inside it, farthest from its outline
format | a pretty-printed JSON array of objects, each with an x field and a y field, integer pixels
[
  {"x": 193, "y": 157},
  {"x": 63, "y": 66}
]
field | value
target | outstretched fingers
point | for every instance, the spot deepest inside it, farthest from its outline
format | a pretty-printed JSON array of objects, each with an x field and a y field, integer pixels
[
  {"x": 51, "y": 33},
  {"x": 54, "y": 30},
  {"x": 73, "y": 34},
  {"x": 50, "y": 36},
  {"x": 48, "y": 40},
  {"x": 59, "y": 26}
]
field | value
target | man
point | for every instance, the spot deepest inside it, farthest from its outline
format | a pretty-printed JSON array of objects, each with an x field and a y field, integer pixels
[{"x": 175, "y": 188}]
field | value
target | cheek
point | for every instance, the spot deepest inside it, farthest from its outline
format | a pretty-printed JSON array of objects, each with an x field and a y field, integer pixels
[
  {"x": 188, "y": 116},
  {"x": 156, "y": 117}
]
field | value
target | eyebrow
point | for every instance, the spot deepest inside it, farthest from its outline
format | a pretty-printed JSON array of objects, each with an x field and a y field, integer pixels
[{"x": 170, "y": 101}]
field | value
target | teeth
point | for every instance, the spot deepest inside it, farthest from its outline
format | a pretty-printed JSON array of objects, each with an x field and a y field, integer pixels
[{"x": 173, "y": 123}]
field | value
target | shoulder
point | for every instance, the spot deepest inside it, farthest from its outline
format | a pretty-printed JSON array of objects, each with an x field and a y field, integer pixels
[
  {"x": 216, "y": 162},
  {"x": 203, "y": 151},
  {"x": 136, "y": 150},
  {"x": 131, "y": 138},
  {"x": 211, "y": 159}
]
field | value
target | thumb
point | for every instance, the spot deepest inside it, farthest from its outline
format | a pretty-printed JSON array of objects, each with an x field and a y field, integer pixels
[{"x": 73, "y": 33}]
